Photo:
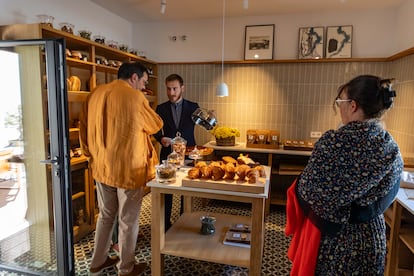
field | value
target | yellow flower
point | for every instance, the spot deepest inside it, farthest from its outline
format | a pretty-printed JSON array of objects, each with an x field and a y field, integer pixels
[{"x": 225, "y": 132}]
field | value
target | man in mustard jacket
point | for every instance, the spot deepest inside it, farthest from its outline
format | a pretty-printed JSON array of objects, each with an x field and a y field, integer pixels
[{"x": 116, "y": 124}]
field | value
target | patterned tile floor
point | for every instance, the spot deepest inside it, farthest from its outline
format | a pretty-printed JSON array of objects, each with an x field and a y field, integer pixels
[{"x": 275, "y": 261}]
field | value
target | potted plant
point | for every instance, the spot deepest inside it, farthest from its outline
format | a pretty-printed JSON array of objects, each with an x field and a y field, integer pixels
[{"x": 225, "y": 136}]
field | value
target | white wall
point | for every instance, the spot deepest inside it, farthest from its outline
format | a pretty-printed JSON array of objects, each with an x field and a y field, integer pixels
[
  {"x": 373, "y": 35},
  {"x": 82, "y": 13},
  {"x": 377, "y": 33},
  {"x": 404, "y": 27}
]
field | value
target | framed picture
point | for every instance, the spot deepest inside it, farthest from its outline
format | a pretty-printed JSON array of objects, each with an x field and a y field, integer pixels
[
  {"x": 311, "y": 42},
  {"x": 259, "y": 40},
  {"x": 338, "y": 42}
]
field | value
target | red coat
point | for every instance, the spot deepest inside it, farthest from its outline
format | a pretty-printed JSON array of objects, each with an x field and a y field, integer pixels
[{"x": 304, "y": 246}]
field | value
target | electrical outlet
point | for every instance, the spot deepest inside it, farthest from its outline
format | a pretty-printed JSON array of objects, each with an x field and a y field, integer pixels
[{"x": 315, "y": 134}]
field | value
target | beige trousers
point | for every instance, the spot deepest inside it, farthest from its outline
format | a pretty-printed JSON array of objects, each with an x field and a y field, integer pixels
[{"x": 126, "y": 204}]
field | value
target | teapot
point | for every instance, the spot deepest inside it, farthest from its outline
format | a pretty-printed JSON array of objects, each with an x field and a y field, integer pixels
[{"x": 205, "y": 118}]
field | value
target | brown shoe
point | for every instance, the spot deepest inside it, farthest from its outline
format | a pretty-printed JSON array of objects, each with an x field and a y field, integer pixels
[
  {"x": 110, "y": 261},
  {"x": 137, "y": 270}
]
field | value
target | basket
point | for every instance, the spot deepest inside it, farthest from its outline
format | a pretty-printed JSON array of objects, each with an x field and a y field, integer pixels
[{"x": 229, "y": 141}]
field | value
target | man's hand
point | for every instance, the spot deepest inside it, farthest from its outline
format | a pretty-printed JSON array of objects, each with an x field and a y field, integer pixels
[{"x": 166, "y": 141}]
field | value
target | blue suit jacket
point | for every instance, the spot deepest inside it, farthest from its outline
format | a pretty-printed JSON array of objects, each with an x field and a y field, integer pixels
[{"x": 186, "y": 125}]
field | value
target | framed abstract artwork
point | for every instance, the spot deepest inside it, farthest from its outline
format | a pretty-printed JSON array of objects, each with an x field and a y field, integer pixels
[
  {"x": 339, "y": 42},
  {"x": 259, "y": 40},
  {"x": 311, "y": 42}
]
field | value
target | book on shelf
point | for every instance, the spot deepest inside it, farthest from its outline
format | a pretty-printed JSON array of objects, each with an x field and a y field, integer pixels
[{"x": 240, "y": 239}]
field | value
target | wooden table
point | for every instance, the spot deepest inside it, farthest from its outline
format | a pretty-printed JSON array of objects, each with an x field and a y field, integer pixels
[{"x": 183, "y": 238}]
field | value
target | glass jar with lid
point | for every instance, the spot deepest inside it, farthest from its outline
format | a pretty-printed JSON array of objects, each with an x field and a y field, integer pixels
[
  {"x": 179, "y": 144},
  {"x": 165, "y": 172}
]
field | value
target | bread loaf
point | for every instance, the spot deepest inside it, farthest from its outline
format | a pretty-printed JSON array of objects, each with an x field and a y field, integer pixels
[{"x": 74, "y": 83}]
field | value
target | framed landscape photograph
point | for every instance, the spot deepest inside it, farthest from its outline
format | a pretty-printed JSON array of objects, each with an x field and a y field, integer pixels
[
  {"x": 311, "y": 42},
  {"x": 339, "y": 42},
  {"x": 259, "y": 40}
]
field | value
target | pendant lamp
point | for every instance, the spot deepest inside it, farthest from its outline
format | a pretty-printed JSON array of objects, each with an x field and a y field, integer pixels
[
  {"x": 163, "y": 6},
  {"x": 222, "y": 90}
]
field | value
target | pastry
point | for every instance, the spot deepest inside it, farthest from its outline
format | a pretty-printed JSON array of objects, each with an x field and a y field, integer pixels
[
  {"x": 206, "y": 172},
  {"x": 217, "y": 173},
  {"x": 241, "y": 171},
  {"x": 200, "y": 164},
  {"x": 245, "y": 159},
  {"x": 252, "y": 175},
  {"x": 194, "y": 173},
  {"x": 230, "y": 171},
  {"x": 215, "y": 164},
  {"x": 261, "y": 170},
  {"x": 229, "y": 159}
]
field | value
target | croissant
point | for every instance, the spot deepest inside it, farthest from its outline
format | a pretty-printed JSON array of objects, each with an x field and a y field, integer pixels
[
  {"x": 241, "y": 171},
  {"x": 215, "y": 164},
  {"x": 252, "y": 175},
  {"x": 217, "y": 173},
  {"x": 206, "y": 172},
  {"x": 194, "y": 173},
  {"x": 261, "y": 170},
  {"x": 229, "y": 159},
  {"x": 200, "y": 164},
  {"x": 230, "y": 171}
]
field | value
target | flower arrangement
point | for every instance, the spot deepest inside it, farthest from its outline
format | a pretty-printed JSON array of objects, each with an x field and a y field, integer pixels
[{"x": 225, "y": 132}]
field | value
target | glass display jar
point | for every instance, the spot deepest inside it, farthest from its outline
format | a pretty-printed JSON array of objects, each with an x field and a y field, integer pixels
[
  {"x": 179, "y": 144},
  {"x": 165, "y": 173},
  {"x": 175, "y": 159}
]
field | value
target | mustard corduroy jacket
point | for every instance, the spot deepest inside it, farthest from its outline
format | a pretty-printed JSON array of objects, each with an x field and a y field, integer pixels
[{"x": 115, "y": 125}]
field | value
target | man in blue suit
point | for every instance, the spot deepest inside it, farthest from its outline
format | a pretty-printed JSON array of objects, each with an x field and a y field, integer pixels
[{"x": 176, "y": 114}]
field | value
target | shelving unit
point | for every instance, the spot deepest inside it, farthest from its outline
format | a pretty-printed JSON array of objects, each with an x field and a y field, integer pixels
[
  {"x": 400, "y": 221},
  {"x": 91, "y": 73}
]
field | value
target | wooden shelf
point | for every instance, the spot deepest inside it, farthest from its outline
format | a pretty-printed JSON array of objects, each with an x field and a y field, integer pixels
[
  {"x": 77, "y": 96},
  {"x": 407, "y": 237},
  {"x": 184, "y": 239},
  {"x": 78, "y": 195}
]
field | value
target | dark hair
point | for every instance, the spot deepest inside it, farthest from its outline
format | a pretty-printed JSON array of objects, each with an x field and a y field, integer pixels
[
  {"x": 127, "y": 69},
  {"x": 175, "y": 77},
  {"x": 373, "y": 94}
]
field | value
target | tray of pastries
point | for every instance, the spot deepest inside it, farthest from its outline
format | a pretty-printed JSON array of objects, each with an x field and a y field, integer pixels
[{"x": 228, "y": 174}]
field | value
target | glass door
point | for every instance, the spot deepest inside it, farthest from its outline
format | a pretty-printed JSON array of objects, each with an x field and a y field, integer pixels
[{"x": 35, "y": 193}]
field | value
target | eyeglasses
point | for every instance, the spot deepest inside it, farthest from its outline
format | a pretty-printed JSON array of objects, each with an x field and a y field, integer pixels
[{"x": 339, "y": 101}]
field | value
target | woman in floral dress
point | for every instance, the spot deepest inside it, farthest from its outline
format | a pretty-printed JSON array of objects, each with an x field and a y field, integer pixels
[{"x": 352, "y": 177}]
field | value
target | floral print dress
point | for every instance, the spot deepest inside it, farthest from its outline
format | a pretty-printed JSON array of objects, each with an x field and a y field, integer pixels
[{"x": 357, "y": 164}]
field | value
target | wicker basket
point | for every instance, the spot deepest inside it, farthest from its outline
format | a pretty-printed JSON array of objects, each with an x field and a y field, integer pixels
[{"x": 229, "y": 141}]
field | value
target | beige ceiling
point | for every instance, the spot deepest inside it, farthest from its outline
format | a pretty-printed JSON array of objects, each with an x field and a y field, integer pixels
[{"x": 149, "y": 10}]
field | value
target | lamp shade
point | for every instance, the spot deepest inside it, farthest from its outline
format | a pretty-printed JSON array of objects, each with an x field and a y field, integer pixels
[{"x": 222, "y": 90}]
